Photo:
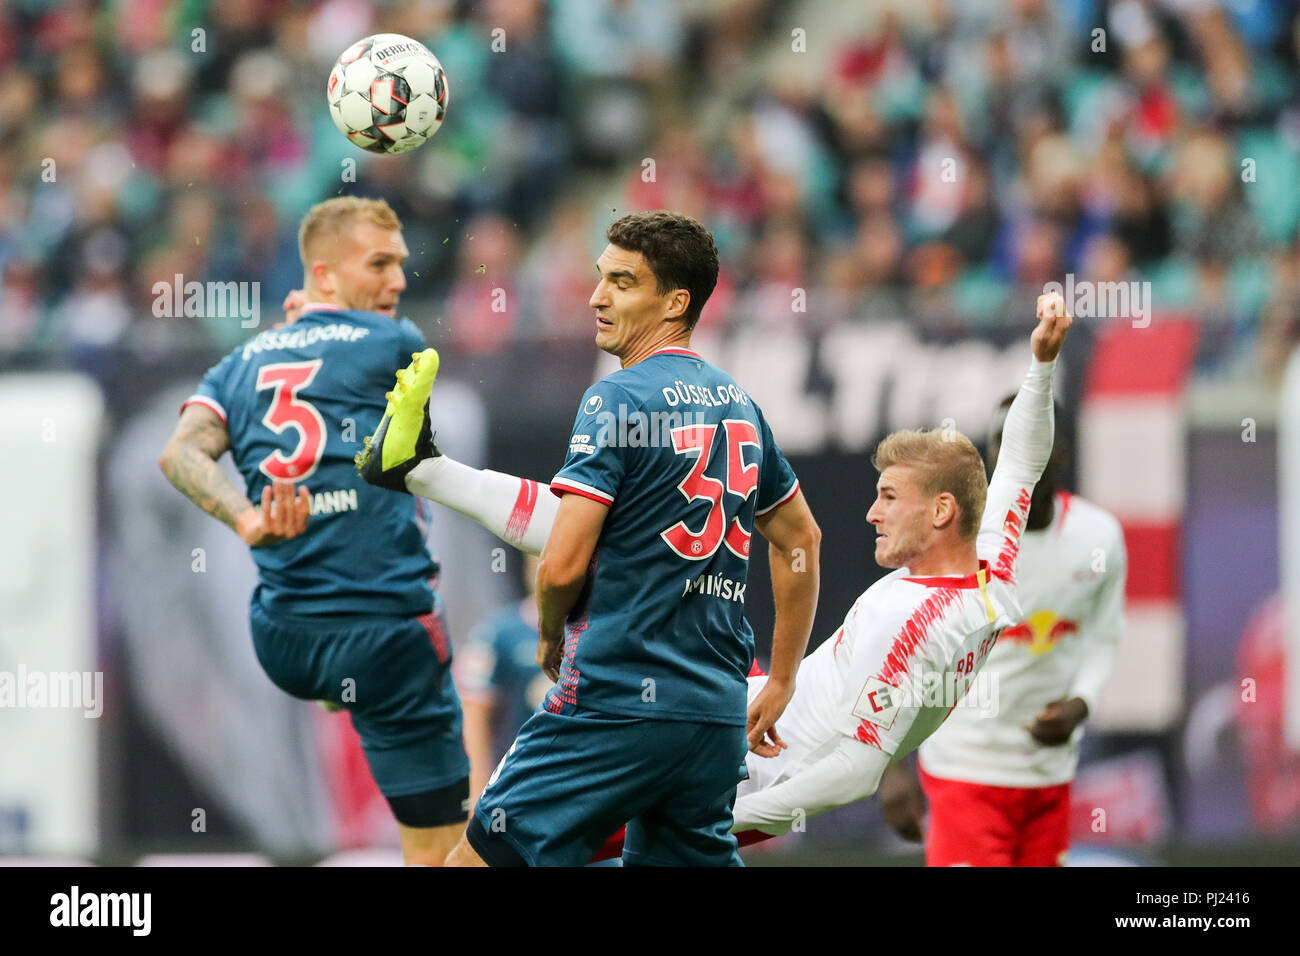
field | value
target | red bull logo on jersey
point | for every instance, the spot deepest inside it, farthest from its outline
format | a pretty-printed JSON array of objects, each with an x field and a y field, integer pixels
[{"x": 1040, "y": 631}]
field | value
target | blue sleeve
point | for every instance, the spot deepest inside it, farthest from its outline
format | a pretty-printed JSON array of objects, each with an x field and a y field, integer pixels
[
  {"x": 212, "y": 390},
  {"x": 595, "y": 463},
  {"x": 777, "y": 483}
]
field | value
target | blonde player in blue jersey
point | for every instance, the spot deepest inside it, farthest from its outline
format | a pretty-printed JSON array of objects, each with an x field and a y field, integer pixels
[
  {"x": 641, "y": 587},
  {"x": 341, "y": 614}
]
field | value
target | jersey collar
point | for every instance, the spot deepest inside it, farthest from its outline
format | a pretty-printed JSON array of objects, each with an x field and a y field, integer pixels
[
  {"x": 319, "y": 307},
  {"x": 676, "y": 350},
  {"x": 955, "y": 581}
]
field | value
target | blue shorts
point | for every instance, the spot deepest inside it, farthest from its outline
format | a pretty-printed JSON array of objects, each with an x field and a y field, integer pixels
[
  {"x": 570, "y": 781},
  {"x": 392, "y": 674}
]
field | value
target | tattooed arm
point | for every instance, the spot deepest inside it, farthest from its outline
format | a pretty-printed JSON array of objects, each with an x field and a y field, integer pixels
[{"x": 190, "y": 463}]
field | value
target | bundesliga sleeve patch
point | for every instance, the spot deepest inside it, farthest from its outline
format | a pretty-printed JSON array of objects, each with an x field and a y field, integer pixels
[{"x": 878, "y": 703}]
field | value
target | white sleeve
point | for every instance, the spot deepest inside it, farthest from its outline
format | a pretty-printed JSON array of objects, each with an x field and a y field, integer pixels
[
  {"x": 848, "y": 773},
  {"x": 1026, "y": 447},
  {"x": 1102, "y": 628}
]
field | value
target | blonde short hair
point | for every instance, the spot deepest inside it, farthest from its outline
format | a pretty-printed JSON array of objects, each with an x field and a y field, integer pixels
[
  {"x": 944, "y": 460},
  {"x": 329, "y": 220}
]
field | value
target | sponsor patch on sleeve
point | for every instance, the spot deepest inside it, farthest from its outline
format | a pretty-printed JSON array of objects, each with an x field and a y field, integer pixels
[
  {"x": 581, "y": 444},
  {"x": 878, "y": 703}
]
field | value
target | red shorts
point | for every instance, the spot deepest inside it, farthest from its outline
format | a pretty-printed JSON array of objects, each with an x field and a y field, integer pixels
[{"x": 972, "y": 824}]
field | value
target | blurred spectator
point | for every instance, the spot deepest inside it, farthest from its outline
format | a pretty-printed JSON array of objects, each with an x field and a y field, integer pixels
[
  {"x": 20, "y": 305},
  {"x": 616, "y": 49},
  {"x": 976, "y": 227},
  {"x": 1140, "y": 219},
  {"x": 484, "y": 306},
  {"x": 1210, "y": 219},
  {"x": 778, "y": 291},
  {"x": 560, "y": 275}
]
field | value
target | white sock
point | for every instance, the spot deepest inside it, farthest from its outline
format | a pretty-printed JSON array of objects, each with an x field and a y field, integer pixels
[{"x": 519, "y": 511}]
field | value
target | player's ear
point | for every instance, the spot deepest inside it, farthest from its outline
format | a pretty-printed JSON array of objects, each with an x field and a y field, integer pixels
[
  {"x": 322, "y": 276},
  {"x": 678, "y": 303},
  {"x": 945, "y": 510}
]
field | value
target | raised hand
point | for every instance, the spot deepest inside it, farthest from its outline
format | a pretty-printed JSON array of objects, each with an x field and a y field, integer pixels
[{"x": 1053, "y": 324}]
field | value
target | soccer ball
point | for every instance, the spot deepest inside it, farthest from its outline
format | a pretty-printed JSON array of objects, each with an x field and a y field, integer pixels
[{"x": 387, "y": 93}]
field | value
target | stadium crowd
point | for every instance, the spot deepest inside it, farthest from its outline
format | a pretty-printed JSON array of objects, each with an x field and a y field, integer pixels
[{"x": 938, "y": 161}]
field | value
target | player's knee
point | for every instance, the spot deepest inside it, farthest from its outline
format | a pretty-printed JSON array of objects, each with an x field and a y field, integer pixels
[
  {"x": 429, "y": 846},
  {"x": 462, "y": 854}
]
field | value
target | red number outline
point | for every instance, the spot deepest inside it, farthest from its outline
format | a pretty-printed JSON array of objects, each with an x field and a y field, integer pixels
[
  {"x": 741, "y": 480},
  {"x": 287, "y": 410}
]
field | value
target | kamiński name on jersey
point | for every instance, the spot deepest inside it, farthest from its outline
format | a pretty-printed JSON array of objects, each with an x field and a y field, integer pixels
[
  {"x": 297, "y": 402},
  {"x": 1071, "y": 587},
  {"x": 685, "y": 461}
]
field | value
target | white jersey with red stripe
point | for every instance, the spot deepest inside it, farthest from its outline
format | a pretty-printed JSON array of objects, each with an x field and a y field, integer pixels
[
  {"x": 1072, "y": 576},
  {"x": 911, "y": 647}
]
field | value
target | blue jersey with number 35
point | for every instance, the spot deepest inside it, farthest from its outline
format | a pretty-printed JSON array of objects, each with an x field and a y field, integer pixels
[
  {"x": 685, "y": 460},
  {"x": 297, "y": 402}
]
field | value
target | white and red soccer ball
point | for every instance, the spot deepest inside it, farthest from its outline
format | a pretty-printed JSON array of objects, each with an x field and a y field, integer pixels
[{"x": 387, "y": 93}]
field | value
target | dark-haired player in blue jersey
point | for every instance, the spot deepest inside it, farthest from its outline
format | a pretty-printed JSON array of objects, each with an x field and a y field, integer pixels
[
  {"x": 641, "y": 586},
  {"x": 345, "y": 610}
]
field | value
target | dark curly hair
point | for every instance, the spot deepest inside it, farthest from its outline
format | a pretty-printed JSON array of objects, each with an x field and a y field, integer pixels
[{"x": 679, "y": 251}]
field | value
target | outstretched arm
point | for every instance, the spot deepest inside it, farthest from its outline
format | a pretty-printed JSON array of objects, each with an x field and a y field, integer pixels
[
  {"x": 849, "y": 773},
  {"x": 190, "y": 463},
  {"x": 1026, "y": 442}
]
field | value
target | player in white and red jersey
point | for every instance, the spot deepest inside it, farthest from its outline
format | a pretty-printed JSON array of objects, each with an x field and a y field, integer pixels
[
  {"x": 998, "y": 783},
  {"x": 913, "y": 643}
]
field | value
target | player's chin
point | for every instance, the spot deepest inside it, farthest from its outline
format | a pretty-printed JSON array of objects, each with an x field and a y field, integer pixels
[
  {"x": 605, "y": 341},
  {"x": 885, "y": 558}
]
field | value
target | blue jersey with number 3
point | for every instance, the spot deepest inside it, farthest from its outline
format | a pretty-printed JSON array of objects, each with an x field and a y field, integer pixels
[
  {"x": 685, "y": 460},
  {"x": 297, "y": 402}
]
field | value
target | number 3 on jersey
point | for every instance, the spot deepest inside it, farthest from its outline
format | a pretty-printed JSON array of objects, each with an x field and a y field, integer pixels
[
  {"x": 741, "y": 481},
  {"x": 288, "y": 410}
]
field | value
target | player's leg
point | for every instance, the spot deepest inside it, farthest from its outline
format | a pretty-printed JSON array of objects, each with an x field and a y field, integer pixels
[
  {"x": 969, "y": 824},
  {"x": 565, "y": 786},
  {"x": 462, "y": 854},
  {"x": 519, "y": 511},
  {"x": 759, "y": 770},
  {"x": 402, "y": 456},
  {"x": 405, "y": 709},
  {"x": 392, "y": 676},
  {"x": 429, "y": 846},
  {"x": 1044, "y": 837},
  {"x": 691, "y": 824}
]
